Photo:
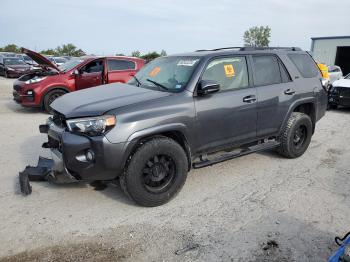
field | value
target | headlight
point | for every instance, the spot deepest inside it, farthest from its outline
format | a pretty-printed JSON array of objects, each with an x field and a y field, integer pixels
[
  {"x": 35, "y": 79},
  {"x": 11, "y": 69},
  {"x": 92, "y": 126}
]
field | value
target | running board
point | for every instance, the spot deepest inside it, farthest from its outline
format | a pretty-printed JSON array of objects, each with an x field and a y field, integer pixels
[{"x": 242, "y": 152}]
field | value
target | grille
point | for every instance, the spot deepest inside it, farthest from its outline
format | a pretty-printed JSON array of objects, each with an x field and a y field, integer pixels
[
  {"x": 344, "y": 91},
  {"x": 17, "y": 88},
  {"x": 59, "y": 120}
]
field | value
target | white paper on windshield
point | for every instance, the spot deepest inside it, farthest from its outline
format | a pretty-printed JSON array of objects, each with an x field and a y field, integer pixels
[{"x": 187, "y": 62}]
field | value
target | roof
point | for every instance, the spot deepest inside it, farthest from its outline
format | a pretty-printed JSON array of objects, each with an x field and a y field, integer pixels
[
  {"x": 330, "y": 37},
  {"x": 238, "y": 50}
]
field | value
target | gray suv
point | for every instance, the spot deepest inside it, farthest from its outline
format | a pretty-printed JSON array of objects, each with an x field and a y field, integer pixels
[{"x": 180, "y": 112}]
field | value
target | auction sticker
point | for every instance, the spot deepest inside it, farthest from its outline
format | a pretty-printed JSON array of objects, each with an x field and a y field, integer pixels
[
  {"x": 154, "y": 72},
  {"x": 229, "y": 70},
  {"x": 187, "y": 62}
]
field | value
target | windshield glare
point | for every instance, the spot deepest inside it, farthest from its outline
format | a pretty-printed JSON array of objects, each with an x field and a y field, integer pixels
[
  {"x": 13, "y": 61},
  {"x": 171, "y": 72},
  {"x": 70, "y": 64}
]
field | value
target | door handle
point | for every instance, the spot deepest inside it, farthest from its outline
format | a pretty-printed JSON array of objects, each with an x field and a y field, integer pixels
[
  {"x": 289, "y": 92},
  {"x": 249, "y": 99}
]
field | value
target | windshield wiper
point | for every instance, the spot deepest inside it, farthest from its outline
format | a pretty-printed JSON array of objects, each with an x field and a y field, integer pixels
[
  {"x": 138, "y": 81},
  {"x": 157, "y": 84}
]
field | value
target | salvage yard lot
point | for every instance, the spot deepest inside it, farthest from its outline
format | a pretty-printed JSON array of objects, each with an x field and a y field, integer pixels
[{"x": 227, "y": 212}]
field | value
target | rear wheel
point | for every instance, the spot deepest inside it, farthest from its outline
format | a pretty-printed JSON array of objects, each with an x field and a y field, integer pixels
[
  {"x": 50, "y": 97},
  {"x": 296, "y": 136},
  {"x": 156, "y": 172}
]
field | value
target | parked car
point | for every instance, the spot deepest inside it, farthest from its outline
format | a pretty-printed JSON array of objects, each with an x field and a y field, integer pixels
[
  {"x": 42, "y": 87},
  {"x": 58, "y": 61},
  {"x": 179, "y": 112},
  {"x": 339, "y": 93},
  {"x": 7, "y": 54},
  {"x": 335, "y": 73},
  {"x": 13, "y": 67}
]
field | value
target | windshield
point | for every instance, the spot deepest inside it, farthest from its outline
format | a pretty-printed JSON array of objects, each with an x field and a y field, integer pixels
[
  {"x": 13, "y": 61},
  {"x": 347, "y": 77},
  {"x": 167, "y": 73},
  {"x": 60, "y": 60},
  {"x": 70, "y": 64}
]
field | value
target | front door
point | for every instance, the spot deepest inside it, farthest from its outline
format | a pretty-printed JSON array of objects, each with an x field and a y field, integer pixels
[
  {"x": 228, "y": 116},
  {"x": 90, "y": 75}
]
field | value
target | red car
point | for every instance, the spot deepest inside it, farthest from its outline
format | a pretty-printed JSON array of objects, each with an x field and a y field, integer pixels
[{"x": 41, "y": 87}]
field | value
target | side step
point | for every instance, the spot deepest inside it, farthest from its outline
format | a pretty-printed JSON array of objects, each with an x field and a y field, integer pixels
[{"x": 235, "y": 154}]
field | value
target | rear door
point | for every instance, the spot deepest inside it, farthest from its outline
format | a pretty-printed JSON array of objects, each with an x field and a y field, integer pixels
[
  {"x": 120, "y": 70},
  {"x": 228, "y": 116},
  {"x": 90, "y": 75},
  {"x": 275, "y": 92}
]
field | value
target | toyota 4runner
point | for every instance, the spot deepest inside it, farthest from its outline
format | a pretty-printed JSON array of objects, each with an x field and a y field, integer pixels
[{"x": 181, "y": 112}]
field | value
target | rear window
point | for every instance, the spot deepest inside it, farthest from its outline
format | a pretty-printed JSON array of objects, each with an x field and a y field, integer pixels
[
  {"x": 114, "y": 64},
  {"x": 305, "y": 65},
  {"x": 266, "y": 70}
]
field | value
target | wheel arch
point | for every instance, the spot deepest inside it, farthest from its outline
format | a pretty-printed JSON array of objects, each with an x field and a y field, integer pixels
[
  {"x": 175, "y": 132},
  {"x": 306, "y": 106},
  {"x": 64, "y": 88}
]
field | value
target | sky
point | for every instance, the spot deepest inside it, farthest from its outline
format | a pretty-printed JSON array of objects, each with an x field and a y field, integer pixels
[{"x": 105, "y": 27}]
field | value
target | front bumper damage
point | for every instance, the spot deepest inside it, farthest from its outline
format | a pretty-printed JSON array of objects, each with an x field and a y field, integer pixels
[
  {"x": 69, "y": 161},
  {"x": 51, "y": 170}
]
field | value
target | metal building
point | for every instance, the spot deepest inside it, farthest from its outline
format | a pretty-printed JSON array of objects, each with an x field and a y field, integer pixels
[{"x": 332, "y": 50}]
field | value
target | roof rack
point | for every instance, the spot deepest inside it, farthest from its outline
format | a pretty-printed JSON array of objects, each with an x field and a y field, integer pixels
[{"x": 252, "y": 48}]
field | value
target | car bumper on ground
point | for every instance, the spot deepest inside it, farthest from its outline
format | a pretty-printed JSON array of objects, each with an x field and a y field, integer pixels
[{"x": 75, "y": 158}]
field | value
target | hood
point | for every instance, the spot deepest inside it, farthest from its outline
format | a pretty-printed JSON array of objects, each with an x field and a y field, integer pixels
[
  {"x": 342, "y": 83},
  {"x": 98, "y": 100},
  {"x": 39, "y": 59}
]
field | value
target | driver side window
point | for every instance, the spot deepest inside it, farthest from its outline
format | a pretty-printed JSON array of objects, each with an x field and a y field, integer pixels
[
  {"x": 229, "y": 72},
  {"x": 93, "y": 67}
]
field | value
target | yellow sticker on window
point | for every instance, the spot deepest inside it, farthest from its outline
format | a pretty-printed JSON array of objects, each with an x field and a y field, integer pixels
[
  {"x": 154, "y": 72},
  {"x": 229, "y": 70}
]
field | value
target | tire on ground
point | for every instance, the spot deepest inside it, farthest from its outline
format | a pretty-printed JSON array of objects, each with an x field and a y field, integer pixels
[
  {"x": 133, "y": 180},
  {"x": 50, "y": 97},
  {"x": 289, "y": 146}
]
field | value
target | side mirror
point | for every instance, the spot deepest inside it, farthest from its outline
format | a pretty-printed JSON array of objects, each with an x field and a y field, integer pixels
[
  {"x": 207, "y": 87},
  {"x": 76, "y": 72}
]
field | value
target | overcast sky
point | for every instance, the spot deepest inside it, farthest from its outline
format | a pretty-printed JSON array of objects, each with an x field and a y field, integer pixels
[{"x": 121, "y": 26}]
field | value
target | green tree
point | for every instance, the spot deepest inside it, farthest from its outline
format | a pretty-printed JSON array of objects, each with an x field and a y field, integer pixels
[
  {"x": 257, "y": 36},
  {"x": 48, "y": 52},
  {"x": 11, "y": 48},
  {"x": 136, "y": 53},
  {"x": 69, "y": 50},
  {"x": 150, "y": 56},
  {"x": 163, "y": 53}
]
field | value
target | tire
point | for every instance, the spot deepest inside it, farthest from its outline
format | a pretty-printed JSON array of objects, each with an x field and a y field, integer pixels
[
  {"x": 5, "y": 74},
  {"x": 296, "y": 136},
  {"x": 156, "y": 172},
  {"x": 50, "y": 97}
]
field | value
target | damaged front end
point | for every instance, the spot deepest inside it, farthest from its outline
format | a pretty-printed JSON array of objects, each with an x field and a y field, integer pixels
[{"x": 52, "y": 170}]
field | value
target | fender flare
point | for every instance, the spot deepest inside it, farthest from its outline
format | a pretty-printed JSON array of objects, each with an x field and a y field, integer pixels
[
  {"x": 135, "y": 138},
  {"x": 66, "y": 89},
  {"x": 294, "y": 105}
]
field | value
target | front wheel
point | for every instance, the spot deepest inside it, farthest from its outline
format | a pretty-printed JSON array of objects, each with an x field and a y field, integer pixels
[
  {"x": 156, "y": 172},
  {"x": 296, "y": 136},
  {"x": 50, "y": 97}
]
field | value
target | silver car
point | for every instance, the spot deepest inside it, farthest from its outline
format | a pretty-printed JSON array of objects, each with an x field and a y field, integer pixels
[{"x": 335, "y": 73}]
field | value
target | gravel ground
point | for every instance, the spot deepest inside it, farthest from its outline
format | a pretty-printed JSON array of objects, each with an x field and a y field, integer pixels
[{"x": 260, "y": 207}]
